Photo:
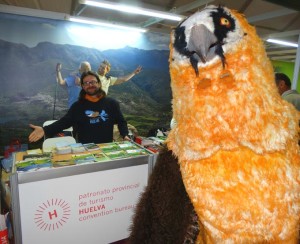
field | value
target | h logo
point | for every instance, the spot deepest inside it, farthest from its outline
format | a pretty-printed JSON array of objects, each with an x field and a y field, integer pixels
[{"x": 52, "y": 214}]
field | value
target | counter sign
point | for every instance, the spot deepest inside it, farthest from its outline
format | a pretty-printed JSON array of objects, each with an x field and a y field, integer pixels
[{"x": 52, "y": 214}]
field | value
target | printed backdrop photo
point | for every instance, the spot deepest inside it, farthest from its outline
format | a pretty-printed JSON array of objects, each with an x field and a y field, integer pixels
[{"x": 30, "y": 49}]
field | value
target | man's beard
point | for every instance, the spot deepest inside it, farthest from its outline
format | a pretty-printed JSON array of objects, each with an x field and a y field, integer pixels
[{"x": 93, "y": 92}]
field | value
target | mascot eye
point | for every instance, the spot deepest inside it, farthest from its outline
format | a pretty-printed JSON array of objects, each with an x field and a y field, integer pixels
[{"x": 225, "y": 22}]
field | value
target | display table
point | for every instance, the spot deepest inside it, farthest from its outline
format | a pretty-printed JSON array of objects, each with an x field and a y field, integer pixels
[{"x": 89, "y": 203}]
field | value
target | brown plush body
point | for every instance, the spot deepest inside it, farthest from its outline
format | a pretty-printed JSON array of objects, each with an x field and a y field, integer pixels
[{"x": 164, "y": 214}]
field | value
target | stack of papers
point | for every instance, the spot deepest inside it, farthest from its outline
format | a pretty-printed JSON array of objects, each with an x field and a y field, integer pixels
[
  {"x": 83, "y": 158},
  {"x": 34, "y": 151},
  {"x": 91, "y": 146},
  {"x": 63, "y": 148},
  {"x": 33, "y": 164},
  {"x": 100, "y": 157},
  {"x": 77, "y": 148}
]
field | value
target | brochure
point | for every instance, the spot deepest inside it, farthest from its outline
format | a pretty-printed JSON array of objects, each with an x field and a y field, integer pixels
[
  {"x": 62, "y": 163},
  {"x": 34, "y": 151},
  {"x": 109, "y": 147},
  {"x": 127, "y": 145},
  {"x": 36, "y": 156},
  {"x": 83, "y": 158},
  {"x": 77, "y": 148},
  {"x": 100, "y": 157},
  {"x": 34, "y": 164},
  {"x": 91, "y": 146},
  {"x": 135, "y": 152},
  {"x": 117, "y": 154}
]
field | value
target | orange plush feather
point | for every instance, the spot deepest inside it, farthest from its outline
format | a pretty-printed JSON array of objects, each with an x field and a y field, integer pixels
[{"x": 237, "y": 143}]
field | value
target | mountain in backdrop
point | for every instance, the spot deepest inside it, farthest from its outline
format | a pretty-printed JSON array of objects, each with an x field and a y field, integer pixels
[{"x": 31, "y": 70}]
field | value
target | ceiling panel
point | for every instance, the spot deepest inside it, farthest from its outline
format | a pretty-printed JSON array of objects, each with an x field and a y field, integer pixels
[{"x": 61, "y": 6}]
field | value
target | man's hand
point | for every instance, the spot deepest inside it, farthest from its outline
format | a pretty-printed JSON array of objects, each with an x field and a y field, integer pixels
[
  {"x": 127, "y": 138},
  {"x": 138, "y": 70},
  {"x": 38, "y": 133},
  {"x": 58, "y": 67}
]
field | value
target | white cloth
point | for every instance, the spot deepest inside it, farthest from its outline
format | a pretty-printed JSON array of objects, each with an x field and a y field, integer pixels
[
  {"x": 106, "y": 82},
  {"x": 293, "y": 97}
]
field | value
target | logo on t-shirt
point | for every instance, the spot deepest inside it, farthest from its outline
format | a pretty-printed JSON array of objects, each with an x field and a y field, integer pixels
[{"x": 95, "y": 116}]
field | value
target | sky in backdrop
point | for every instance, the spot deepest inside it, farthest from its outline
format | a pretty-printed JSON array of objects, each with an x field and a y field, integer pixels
[{"x": 15, "y": 28}]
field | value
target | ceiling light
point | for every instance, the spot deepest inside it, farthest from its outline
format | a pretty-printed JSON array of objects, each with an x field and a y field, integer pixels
[
  {"x": 105, "y": 24},
  {"x": 283, "y": 42},
  {"x": 133, "y": 10}
]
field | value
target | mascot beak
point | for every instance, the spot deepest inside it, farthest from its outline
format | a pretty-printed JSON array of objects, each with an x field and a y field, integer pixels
[{"x": 202, "y": 43}]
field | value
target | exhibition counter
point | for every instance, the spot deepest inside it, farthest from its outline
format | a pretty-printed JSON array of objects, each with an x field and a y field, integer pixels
[{"x": 84, "y": 203}]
